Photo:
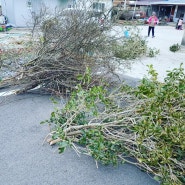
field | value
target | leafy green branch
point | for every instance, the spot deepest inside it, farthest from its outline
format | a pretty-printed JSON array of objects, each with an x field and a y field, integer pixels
[{"x": 146, "y": 123}]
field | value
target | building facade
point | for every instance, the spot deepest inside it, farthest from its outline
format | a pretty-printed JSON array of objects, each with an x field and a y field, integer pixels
[
  {"x": 169, "y": 10},
  {"x": 19, "y": 12},
  {"x": 172, "y": 9}
]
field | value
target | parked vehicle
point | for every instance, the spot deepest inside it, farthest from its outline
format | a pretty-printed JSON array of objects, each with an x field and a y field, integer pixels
[{"x": 131, "y": 14}]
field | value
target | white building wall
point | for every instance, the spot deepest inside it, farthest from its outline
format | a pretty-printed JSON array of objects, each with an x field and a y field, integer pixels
[
  {"x": 51, "y": 4},
  {"x": 19, "y": 14},
  {"x": 22, "y": 13},
  {"x": 8, "y": 10},
  {"x": 108, "y": 7},
  {"x": 88, "y": 4},
  {"x": 57, "y": 4}
]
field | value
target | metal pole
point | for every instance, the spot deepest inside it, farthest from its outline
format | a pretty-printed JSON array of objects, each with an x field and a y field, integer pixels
[
  {"x": 134, "y": 9},
  {"x": 183, "y": 39},
  {"x": 125, "y": 4}
]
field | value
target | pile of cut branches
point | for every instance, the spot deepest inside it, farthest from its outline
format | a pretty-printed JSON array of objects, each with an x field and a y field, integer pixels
[
  {"x": 146, "y": 123},
  {"x": 65, "y": 44}
]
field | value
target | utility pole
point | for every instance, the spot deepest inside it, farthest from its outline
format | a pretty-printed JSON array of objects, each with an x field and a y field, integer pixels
[
  {"x": 183, "y": 39},
  {"x": 134, "y": 9},
  {"x": 125, "y": 4}
]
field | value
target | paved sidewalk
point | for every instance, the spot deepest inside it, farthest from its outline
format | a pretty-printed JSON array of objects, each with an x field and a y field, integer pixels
[{"x": 165, "y": 36}]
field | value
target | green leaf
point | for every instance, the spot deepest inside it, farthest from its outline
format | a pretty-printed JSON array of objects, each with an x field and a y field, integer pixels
[
  {"x": 63, "y": 144},
  {"x": 157, "y": 178},
  {"x": 61, "y": 150}
]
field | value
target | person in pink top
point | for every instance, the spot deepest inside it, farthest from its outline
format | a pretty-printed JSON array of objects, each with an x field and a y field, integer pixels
[
  {"x": 152, "y": 21},
  {"x": 180, "y": 22}
]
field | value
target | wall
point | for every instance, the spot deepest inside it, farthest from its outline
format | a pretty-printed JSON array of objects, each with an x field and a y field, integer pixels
[
  {"x": 8, "y": 10},
  {"x": 23, "y": 12},
  {"x": 19, "y": 13},
  {"x": 54, "y": 4},
  {"x": 87, "y": 4},
  {"x": 108, "y": 5},
  {"x": 180, "y": 13}
]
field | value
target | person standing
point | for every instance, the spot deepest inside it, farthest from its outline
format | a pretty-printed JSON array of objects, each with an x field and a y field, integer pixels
[
  {"x": 2, "y": 19},
  {"x": 2, "y": 22},
  {"x": 180, "y": 22},
  {"x": 101, "y": 21},
  {"x": 152, "y": 21}
]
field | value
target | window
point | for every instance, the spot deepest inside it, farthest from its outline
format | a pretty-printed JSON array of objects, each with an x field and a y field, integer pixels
[
  {"x": 180, "y": 11},
  {"x": 29, "y": 4},
  {"x": 99, "y": 7}
]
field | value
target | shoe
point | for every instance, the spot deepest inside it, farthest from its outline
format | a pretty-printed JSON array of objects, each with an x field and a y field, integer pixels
[{"x": 153, "y": 36}]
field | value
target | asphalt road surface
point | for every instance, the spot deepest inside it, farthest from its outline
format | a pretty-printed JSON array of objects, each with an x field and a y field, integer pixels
[{"x": 24, "y": 160}]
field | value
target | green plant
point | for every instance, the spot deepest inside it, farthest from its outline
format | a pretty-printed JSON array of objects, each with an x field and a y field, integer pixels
[
  {"x": 175, "y": 47},
  {"x": 130, "y": 48},
  {"x": 152, "y": 52},
  {"x": 163, "y": 122},
  {"x": 146, "y": 123}
]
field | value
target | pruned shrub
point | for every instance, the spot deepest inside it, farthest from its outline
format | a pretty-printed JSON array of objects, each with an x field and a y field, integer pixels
[
  {"x": 152, "y": 52},
  {"x": 145, "y": 123},
  {"x": 65, "y": 44},
  {"x": 130, "y": 47},
  {"x": 175, "y": 47}
]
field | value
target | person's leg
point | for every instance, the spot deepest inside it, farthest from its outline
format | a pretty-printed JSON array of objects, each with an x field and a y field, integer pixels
[
  {"x": 149, "y": 29},
  {"x": 153, "y": 32},
  {"x": 179, "y": 27}
]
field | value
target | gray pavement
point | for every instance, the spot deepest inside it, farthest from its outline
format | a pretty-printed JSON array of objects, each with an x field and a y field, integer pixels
[{"x": 24, "y": 160}]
